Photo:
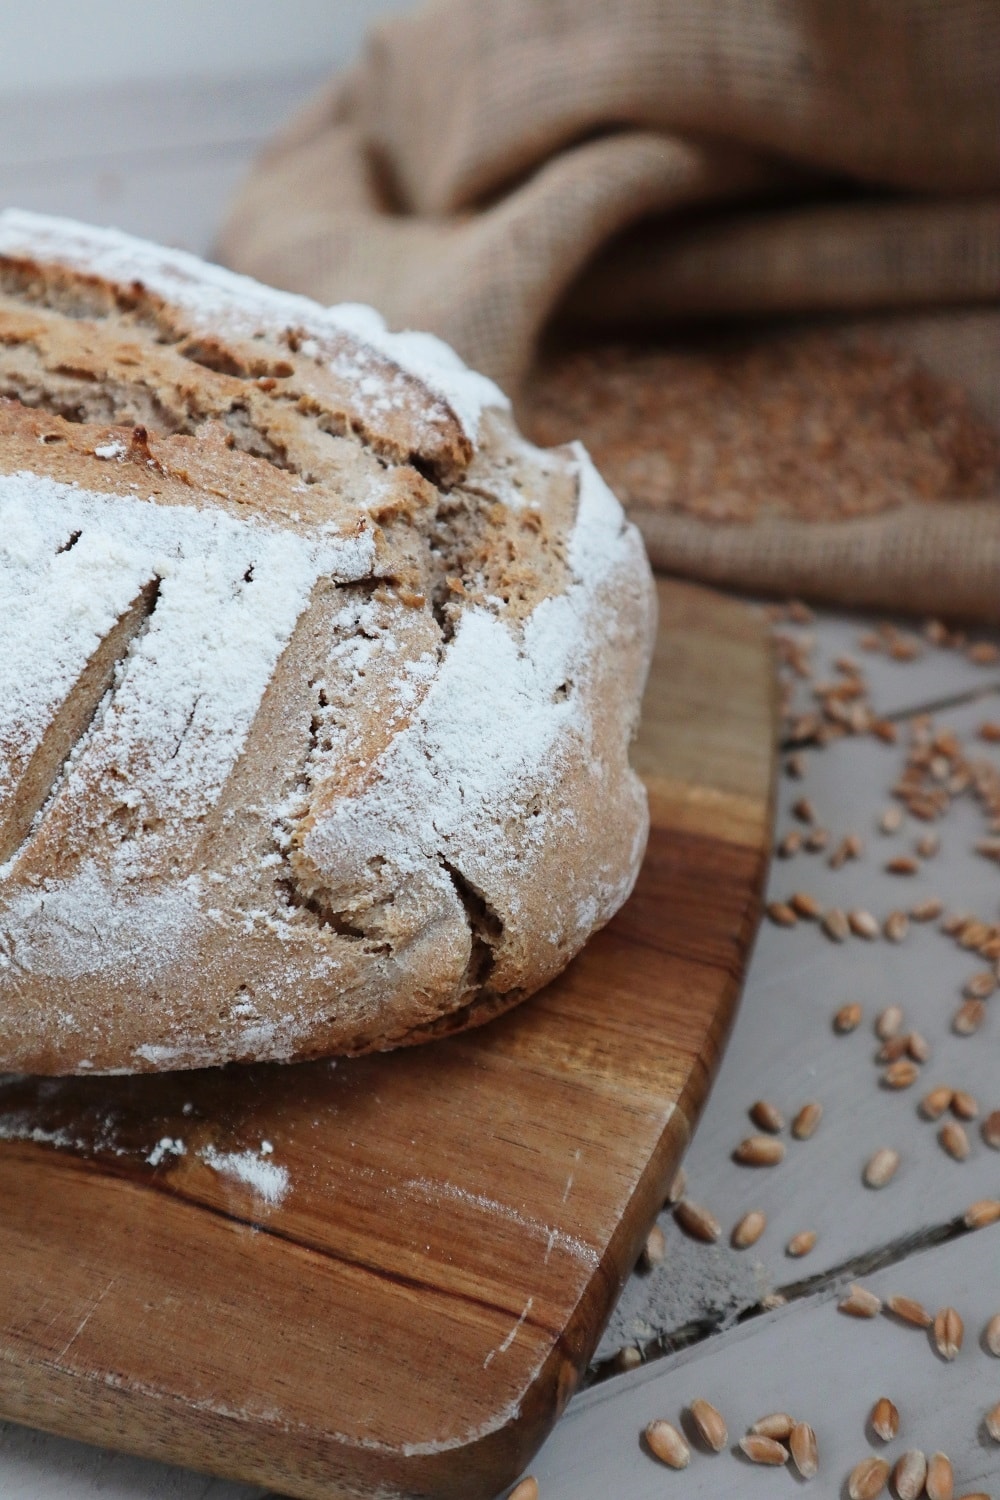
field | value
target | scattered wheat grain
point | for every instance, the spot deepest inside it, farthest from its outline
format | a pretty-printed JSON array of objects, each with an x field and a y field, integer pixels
[
  {"x": 710, "y": 1424},
  {"x": 860, "y": 1303},
  {"x": 749, "y": 1230},
  {"x": 807, "y": 1120},
  {"x": 763, "y": 1450},
  {"x": 759, "y": 1151},
  {"x": 909, "y": 1475},
  {"x": 896, "y": 926},
  {"x": 969, "y": 1017},
  {"x": 777, "y": 1425},
  {"x": 881, "y": 1168},
  {"x": 909, "y": 1310},
  {"x": 884, "y": 1419},
  {"x": 982, "y": 1213},
  {"x": 901, "y": 1074},
  {"x": 940, "y": 1481},
  {"x": 991, "y": 1335},
  {"x": 888, "y": 1022},
  {"x": 767, "y": 1116},
  {"x": 866, "y": 1480},
  {"x": 666, "y": 1443},
  {"x": 655, "y": 1249},
  {"x": 805, "y": 1452},
  {"x": 697, "y": 1221},
  {"x": 949, "y": 1330},
  {"x": 933, "y": 1105},
  {"x": 954, "y": 1140},
  {"x": 835, "y": 925}
]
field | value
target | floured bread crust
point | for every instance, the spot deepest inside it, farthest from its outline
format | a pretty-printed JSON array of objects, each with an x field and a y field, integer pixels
[{"x": 317, "y": 682}]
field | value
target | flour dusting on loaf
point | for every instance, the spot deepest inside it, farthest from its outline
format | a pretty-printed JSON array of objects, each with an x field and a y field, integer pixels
[{"x": 317, "y": 682}]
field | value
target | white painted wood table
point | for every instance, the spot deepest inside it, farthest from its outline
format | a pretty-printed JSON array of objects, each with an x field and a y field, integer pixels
[{"x": 161, "y": 160}]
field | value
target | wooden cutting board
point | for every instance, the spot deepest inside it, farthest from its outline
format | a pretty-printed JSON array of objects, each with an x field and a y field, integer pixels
[{"x": 385, "y": 1276}]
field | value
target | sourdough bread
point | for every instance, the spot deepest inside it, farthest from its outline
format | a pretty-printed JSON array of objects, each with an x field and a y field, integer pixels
[{"x": 317, "y": 682}]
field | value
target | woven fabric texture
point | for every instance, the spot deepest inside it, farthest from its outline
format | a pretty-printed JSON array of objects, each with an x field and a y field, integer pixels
[{"x": 494, "y": 171}]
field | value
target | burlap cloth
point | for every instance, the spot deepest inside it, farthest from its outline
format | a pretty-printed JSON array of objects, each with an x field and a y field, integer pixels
[{"x": 494, "y": 170}]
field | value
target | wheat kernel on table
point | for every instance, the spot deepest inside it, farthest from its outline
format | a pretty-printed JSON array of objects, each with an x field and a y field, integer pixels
[
  {"x": 901, "y": 1074},
  {"x": 893, "y": 1049},
  {"x": 909, "y": 1475},
  {"x": 767, "y": 1116},
  {"x": 982, "y": 1213},
  {"x": 896, "y": 926},
  {"x": 884, "y": 1419},
  {"x": 990, "y": 1130},
  {"x": 777, "y": 1425},
  {"x": 866, "y": 1480},
  {"x": 933, "y": 1105},
  {"x": 836, "y": 925},
  {"x": 991, "y": 1335},
  {"x": 760, "y": 1151},
  {"x": 980, "y": 986},
  {"x": 655, "y": 1248},
  {"x": 749, "y": 1230},
  {"x": 918, "y": 1047},
  {"x": 888, "y": 1022},
  {"x": 677, "y": 1188},
  {"x": 763, "y": 1450},
  {"x": 806, "y": 1122},
  {"x": 697, "y": 1221},
  {"x": 666, "y": 1443},
  {"x": 847, "y": 1018},
  {"x": 804, "y": 905},
  {"x": 909, "y": 1310},
  {"x": 881, "y": 1167},
  {"x": 940, "y": 1482},
  {"x": 863, "y": 924},
  {"x": 949, "y": 1331},
  {"x": 526, "y": 1490},
  {"x": 805, "y": 1452},
  {"x": 790, "y": 844},
  {"x": 964, "y": 1105},
  {"x": 954, "y": 1140},
  {"x": 993, "y": 1422},
  {"x": 860, "y": 1303},
  {"x": 710, "y": 1424},
  {"x": 968, "y": 1018}
]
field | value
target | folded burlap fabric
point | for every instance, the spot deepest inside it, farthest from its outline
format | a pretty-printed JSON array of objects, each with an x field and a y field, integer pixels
[{"x": 523, "y": 175}]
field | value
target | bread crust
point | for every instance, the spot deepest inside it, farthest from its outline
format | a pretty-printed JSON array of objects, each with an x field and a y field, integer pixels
[{"x": 317, "y": 682}]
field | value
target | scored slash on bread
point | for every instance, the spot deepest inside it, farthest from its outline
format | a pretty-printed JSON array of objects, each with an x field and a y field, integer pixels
[{"x": 317, "y": 682}]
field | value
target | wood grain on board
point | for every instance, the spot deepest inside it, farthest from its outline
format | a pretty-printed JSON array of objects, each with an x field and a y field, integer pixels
[{"x": 390, "y": 1272}]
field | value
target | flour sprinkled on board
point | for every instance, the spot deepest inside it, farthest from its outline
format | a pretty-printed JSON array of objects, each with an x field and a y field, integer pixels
[{"x": 267, "y": 1179}]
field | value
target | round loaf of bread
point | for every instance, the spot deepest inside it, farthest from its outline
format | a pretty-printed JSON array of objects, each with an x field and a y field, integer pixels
[{"x": 317, "y": 682}]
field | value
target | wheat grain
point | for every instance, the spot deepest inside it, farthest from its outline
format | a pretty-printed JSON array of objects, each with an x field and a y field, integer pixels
[
  {"x": 710, "y": 1424},
  {"x": 884, "y": 1419},
  {"x": 666, "y": 1443},
  {"x": 949, "y": 1331}
]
